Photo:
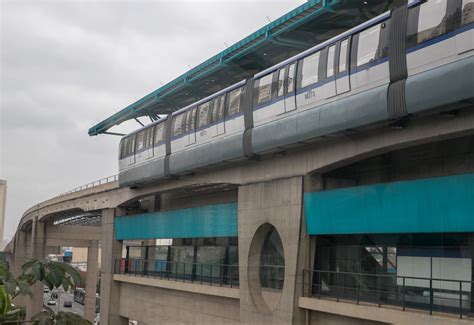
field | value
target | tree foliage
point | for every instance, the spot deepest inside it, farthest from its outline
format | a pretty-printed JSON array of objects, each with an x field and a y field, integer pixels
[{"x": 52, "y": 274}]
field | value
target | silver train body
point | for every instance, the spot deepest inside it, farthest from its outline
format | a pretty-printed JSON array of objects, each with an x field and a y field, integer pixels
[{"x": 414, "y": 60}]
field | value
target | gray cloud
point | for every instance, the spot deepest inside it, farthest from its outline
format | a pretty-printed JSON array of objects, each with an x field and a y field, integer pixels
[{"x": 67, "y": 65}]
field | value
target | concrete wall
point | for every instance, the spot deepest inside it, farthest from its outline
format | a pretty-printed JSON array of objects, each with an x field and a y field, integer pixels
[
  {"x": 3, "y": 203},
  {"x": 164, "y": 306}
]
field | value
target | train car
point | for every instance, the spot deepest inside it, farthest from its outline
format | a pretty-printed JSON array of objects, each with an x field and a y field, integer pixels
[{"x": 416, "y": 59}]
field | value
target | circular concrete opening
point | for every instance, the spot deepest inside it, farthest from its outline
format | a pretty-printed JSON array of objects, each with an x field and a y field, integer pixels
[{"x": 266, "y": 267}]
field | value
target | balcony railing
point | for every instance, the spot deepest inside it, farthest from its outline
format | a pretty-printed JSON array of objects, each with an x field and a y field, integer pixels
[
  {"x": 200, "y": 273},
  {"x": 430, "y": 294}
]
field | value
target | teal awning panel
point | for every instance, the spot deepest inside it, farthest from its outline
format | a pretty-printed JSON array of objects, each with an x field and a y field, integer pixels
[
  {"x": 218, "y": 220},
  {"x": 442, "y": 204}
]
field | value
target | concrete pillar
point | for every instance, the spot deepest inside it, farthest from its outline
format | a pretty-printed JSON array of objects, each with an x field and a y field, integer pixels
[
  {"x": 37, "y": 249},
  {"x": 109, "y": 289},
  {"x": 279, "y": 203},
  {"x": 91, "y": 280}
]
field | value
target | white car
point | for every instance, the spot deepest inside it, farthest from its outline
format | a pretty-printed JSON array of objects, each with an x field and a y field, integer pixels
[{"x": 51, "y": 302}]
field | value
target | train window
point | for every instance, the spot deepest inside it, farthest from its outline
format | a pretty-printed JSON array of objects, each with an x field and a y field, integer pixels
[
  {"x": 368, "y": 45},
  {"x": 343, "y": 56},
  {"x": 130, "y": 146},
  {"x": 291, "y": 78},
  {"x": 219, "y": 106},
  {"x": 234, "y": 101},
  {"x": 467, "y": 11},
  {"x": 149, "y": 138},
  {"x": 159, "y": 130},
  {"x": 309, "y": 71},
  {"x": 141, "y": 140},
  {"x": 124, "y": 148},
  {"x": 264, "y": 92},
  {"x": 190, "y": 120},
  {"x": 331, "y": 59},
  {"x": 281, "y": 82},
  {"x": 431, "y": 21},
  {"x": 178, "y": 124},
  {"x": 204, "y": 115}
]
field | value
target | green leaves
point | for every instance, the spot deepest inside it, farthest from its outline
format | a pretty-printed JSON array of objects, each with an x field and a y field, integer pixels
[
  {"x": 5, "y": 301},
  {"x": 48, "y": 317},
  {"x": 53, "y": 274},
  {"x": 50, "y": 273}
]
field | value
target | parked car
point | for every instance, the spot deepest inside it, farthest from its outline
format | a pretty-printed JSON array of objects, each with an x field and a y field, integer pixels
[
  {"x": 45, "y": 290},
  {"x": 51, "y": 302},
  {"x": 54, "y": 295},
  {"x": 67, "y": 304}
]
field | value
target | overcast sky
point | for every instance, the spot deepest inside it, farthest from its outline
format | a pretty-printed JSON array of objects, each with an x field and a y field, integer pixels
[{"x": 66, "y": 65}]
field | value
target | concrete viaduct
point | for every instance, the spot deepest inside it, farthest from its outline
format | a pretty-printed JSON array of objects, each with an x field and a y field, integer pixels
[{"x": 269, "y": 190}]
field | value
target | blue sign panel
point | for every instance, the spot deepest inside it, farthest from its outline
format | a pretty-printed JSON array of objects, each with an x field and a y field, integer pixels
[
  {"x": 443, "y": 204},
  {"x": 218, "y": 220}
]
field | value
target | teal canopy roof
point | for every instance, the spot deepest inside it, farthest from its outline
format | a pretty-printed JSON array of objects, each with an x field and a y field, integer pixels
[{"x": 303, "y": 27}]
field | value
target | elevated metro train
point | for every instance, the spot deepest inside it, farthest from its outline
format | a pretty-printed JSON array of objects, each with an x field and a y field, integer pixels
[{"x": 415, "y": 59}]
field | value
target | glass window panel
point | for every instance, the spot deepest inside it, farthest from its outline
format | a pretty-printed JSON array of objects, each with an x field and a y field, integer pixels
[
  {"x": 178, "y": 124},
  {"x": 131, "y": 146},
  {"x": 234, "y": 101},
  {"x": 159, "y": 128},
  {"x": 291, "y": 78},
  {"x": 122, "y": 148},
  {"x": 203, "y": 116},
  {"x": 135, "y": 252},
  {"x": 218, "y": 111},
  {"x": 368, "y": 45},
  {"x": 431, "y": 22},
  {"x": 281, "y": 82},
  {"x": 343, "y": 56},
  {"x": 182, "y": 258},
  {"x": 467, "y": 11},
  {"x": 140, "y": 140},
  {"x": 190, "y": 120},
  {"x": 309, "y": 71},
  {"x": 210, "y": 259},
  {"x": 265, "y": 89},
  {"x": 149, "y": 137},
  {"x": 272, "y": 261},
  {"x": 330, "y": 67}
]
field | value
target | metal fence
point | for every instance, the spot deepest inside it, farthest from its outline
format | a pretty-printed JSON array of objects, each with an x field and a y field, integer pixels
[
  {"x": 210, "y": 274},
  {"x": 101, "y": 181},
  {"x": 430, "y": 294}
]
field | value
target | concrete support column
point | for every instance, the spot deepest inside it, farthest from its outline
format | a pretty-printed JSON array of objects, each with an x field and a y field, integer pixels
[
  {"x": 109, "y": 289},
  {"x": 37, "y": 249},
  {"x": 91, "y": 280},
  {"x": 280, "y": 204}
]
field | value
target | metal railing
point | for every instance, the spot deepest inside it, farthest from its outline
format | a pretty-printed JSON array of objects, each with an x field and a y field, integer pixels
[
  {"x": 98, "y": 182},
  {"x": 430, "y": 294},
  {"x": 210, "y": 274}
]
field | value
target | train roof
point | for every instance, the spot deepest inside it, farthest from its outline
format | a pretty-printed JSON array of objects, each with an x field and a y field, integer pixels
[{"x": 302, "y": 28}]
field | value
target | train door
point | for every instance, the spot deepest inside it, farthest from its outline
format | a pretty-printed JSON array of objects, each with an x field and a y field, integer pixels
[
  {"x": 149, "y": 142},
  {"x": 329, "y": 88},
  {"x": 131, "y": 150},
  {"x": 191, "y": 125},
  {"x": 218, "y": 114},
  {"x": 342, "y": 68},
  {"x": 290, "y": 98}
]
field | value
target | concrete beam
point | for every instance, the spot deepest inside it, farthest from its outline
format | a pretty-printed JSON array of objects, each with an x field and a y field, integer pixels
[
  {"x": 68, "y": 242},
  {"x": 73, "y": 232}
]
